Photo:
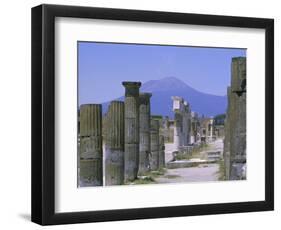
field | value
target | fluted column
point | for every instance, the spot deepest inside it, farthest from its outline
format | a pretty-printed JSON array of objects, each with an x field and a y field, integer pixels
[
  {"x": 144, "y": 116},
  {"x": 91, "y": 145},
  {"x": 131, "y": 163},
  {"x": 114, "y": 144},
  {"x": 154, "y": 136}
]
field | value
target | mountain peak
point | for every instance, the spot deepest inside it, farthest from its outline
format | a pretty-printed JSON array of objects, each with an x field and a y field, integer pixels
[
  {"x": 162, "y": 90},
  {"x": 171, "y": 78},
  {"x": 164, "y": 84}
]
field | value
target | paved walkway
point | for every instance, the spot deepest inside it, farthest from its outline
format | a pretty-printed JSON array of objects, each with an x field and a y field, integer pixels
[
  {"x": 202, "y": 172},
  {"x": 208, "y": 172}
]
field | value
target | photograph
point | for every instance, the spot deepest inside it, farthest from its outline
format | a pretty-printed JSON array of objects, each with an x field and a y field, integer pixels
[
  {"x": 155, "y": 114},
  {"x": 142, "y": 113}
]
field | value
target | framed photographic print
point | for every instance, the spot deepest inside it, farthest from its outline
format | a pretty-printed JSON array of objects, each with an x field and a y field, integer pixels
[{"x": 142, "y": 114}]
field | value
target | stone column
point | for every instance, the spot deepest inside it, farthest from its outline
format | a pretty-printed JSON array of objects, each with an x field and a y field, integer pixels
[
  {"x": 166, "y": 128},
  {"x": 144, "y": 116},
  {"x": 178, "y": 121},
  {"x": 185, "y": 123},
  {"x": 235, "y": 126},
  {"x": 114, "y": 144},
  {"x": 238, "y": 119},
  {"x": 91, "y": 145},
  {"x": 194, "y": 128},
  {"x": 177, "y": 130},
  {"x": 161, "y": 151},
  {"x": 131, "y": 163},
  {"x": 226, "y": 145},
  {"x": 211, "y": 129},
  {"x": 154, "y": 136}
]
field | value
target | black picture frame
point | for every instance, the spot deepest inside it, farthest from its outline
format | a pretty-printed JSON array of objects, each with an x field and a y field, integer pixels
[{"x": 43, "y": 114}]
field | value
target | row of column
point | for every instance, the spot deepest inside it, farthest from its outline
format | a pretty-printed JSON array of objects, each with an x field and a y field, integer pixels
[{"x": 132, "y": 142}]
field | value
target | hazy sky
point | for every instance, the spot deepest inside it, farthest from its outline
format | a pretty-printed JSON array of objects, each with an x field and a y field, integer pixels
[{"x": 103, "y": 66}]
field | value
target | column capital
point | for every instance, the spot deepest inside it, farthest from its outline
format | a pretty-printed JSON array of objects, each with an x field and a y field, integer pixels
[{"x": 131, "y": 88}]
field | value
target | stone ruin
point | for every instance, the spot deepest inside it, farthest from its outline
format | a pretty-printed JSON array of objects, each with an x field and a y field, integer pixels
[
  {"x": 182, "y": 122},
  {"x": 235, "y": 123},
  {"x": 91, "y": 145},
  {"x": 167, "y": 129},
  {"x": 145, "y": 141},
  {"x": 186, "y": 127},
  {"x": 114, "y": 144},
  {"x": 195, "y": 128},
  {"x": 207, "y": 131},
  {"x": 130, "y": 144},
  {"x": 131, "y": 154}
]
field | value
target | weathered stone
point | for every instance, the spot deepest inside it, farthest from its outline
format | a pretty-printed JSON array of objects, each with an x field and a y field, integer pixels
[
  {"x": 238, "y": 72},
  {"x": 178, "y": 121},
  {"x": 235, "y": 139},
  {"x": 131, "y": 156},
  {"x": 182, "y": 123},
  {"x": 226, "y": 148},
  {"x": 166, "y": 129},
  {"x": 186, "y": 123},
  {"x": 114, "y": 144},
  {"x": 144, "y": 117},
  {"x": 161, "y": 152},
  {"x": 177, "y": 130},
  {"x": 194, "y": 129},
  {"x": 91, "y": 145},
  {"x": 207, "y": 129},
  {"x": 154, "y": 136}
]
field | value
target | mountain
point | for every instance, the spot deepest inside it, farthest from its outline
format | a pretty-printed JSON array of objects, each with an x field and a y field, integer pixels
[{"x": 162, "y": 90}]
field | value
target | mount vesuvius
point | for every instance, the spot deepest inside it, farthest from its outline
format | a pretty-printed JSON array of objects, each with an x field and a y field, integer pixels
[{"x": 162, "y": 90}]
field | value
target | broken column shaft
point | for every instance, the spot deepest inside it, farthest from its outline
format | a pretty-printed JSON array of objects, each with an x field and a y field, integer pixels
[
  {"x": 144, "y": 128},
  {"x": 114, "y": 144},
  {"x": 131, "y": 155},
  {"x": 91, "y": 145}
]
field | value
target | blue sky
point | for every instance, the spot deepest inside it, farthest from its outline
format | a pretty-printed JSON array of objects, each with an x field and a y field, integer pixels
[{"x": 103, "y": 66}]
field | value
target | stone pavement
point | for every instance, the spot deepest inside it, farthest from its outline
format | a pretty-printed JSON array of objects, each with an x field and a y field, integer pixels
[{"x": 203, "y": 171}]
